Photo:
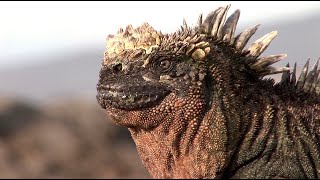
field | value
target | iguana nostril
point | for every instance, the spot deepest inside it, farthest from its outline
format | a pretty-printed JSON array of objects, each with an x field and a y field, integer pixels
[{"x": 117, "y": 67}]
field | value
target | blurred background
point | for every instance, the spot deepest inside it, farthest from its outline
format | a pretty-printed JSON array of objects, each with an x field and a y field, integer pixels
[{"x": 50, "y": 53}]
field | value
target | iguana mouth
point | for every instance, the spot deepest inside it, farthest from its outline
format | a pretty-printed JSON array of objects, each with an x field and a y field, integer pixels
[{"x": 129, "y": 97}]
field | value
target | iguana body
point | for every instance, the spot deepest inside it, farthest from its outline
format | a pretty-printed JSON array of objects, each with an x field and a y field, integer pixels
[{"x": 197, "y": 105}]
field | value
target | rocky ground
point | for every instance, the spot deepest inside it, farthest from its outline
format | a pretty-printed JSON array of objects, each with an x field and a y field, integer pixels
[{"x": 64, "y": 140}]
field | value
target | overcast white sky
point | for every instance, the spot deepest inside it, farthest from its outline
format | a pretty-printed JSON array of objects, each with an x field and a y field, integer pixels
[{"x": 30, "y": 28}]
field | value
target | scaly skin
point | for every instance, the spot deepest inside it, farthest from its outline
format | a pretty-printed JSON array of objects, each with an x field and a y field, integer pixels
[{"x": 197, "y": 107}]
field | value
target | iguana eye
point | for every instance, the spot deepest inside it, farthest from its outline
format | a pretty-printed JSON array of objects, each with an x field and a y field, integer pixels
[{"x": 164, "y": 65}]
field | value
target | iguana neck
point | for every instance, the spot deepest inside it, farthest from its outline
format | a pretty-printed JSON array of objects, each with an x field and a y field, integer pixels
[{"x": 248, "y": 108}]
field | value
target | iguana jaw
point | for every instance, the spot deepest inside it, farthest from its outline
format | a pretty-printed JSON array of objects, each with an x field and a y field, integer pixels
[{"x": 130, "y": 96}]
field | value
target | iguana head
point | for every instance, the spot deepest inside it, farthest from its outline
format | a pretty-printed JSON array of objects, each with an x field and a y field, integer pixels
[{"x": 146, "y": 75}]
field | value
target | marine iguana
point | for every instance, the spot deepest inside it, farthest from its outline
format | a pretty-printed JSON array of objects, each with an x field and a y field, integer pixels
[{"x": 198, "y": 106}]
